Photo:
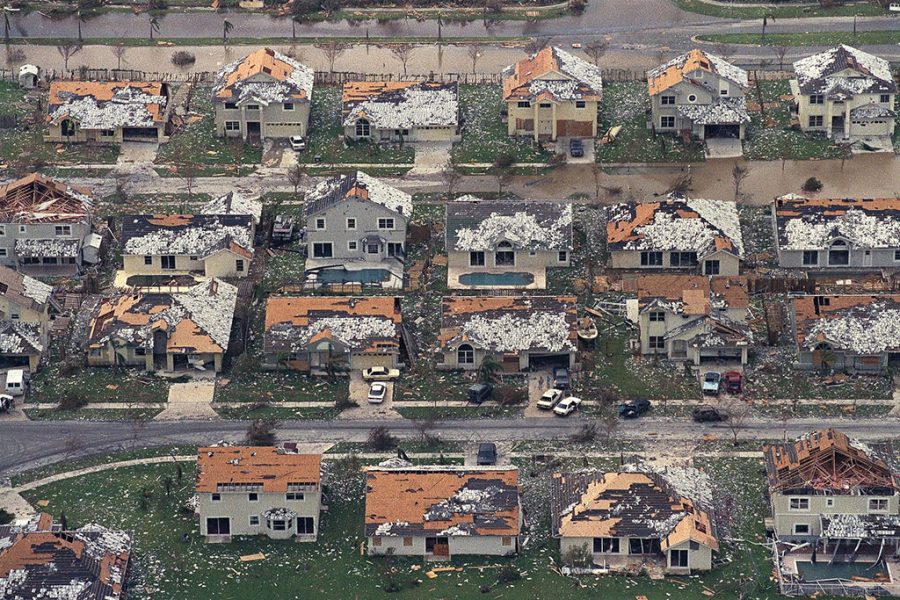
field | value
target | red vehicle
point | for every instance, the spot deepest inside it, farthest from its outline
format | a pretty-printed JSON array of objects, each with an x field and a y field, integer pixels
[{"x": 734, "y": 382}]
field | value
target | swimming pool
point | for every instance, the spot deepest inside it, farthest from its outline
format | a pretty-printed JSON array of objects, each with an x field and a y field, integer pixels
[
  {"x": 838, "y": 570},
  {"x": 360, "y": 276},
  {"x": 496, "y": 279}
]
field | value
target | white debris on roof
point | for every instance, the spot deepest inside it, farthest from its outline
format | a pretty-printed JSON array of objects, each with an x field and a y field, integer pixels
[
  {"x": 395, "y": 462},
  {"x": 379, "y": 193},
  {"x": 871, "y": 111},
  {"x": 874, "y": 330},
  {"x": 718, "y": 65},
  {"x": 826, "y": 71},
  {"x": 234, "y": 203},
  {"x": 20, "y": 338},
  {"x": 458, "y": 530},
  {"x": 354, "y": 332},
  {"x": 31, "y": 247},
  {"x": 128, "y": 107},
  {"x": 814, "y": 231},
  {"x": 686, "y": 481},
  {"x": 300, "y": 79},
  {"x": 728, "y": 111},
  {"x": 38, "y": 291},
  {"x": 522, "y": 230},
  {"x": 211, "y": 306},
  {"x": 201, "y": 239},
  {"x": 386, "y": 529},
  {"x": 408, "y": 107},
  {"x": 104, "y": 541},
  {"x": 274, "y": 514},
  {"x": 513, "y": 333},
  {"x": 580, "y": 69}
]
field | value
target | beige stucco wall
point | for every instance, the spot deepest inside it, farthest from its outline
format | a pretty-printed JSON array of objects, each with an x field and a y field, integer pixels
[
  {"x": 698, "y": 560},
  {"x": 53, "y": 134},
  {"x": 104, "y": 357},
  {"x": 8, "y": 308},
  {"x": 239, "y": 508},
  {"x": 550, "y": 119},
  {"x": 729, "y": 264},
  {"x": 683, "y": 92},
  {"x": 359, "y": 361},
  {"x": 673, "y": 321},
  {"x": 275, "y": 122},
  {"x": 522, "y": 360},
  {"x": 416, "y": 134},
  {"x": 785, "y": 518},
  {"x": 485, "y": 545},
  {"x": 221, "y": 264}
]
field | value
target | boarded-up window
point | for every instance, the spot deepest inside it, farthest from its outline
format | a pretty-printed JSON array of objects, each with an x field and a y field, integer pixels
[
  {"x": 507, "y": 541},
  {"x": 407, "y": 541},
  {"x": 376, "y": 541}
]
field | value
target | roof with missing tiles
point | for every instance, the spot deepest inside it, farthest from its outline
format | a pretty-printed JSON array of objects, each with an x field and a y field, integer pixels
[
  {"x": 676, "y": 224},
  {"x": 234, "y": 203},
  {"x": 812, "y": 224},
  {"x": 35, "y": 198},
  {"x": 721, "y": 111},
  {"x": 865, "y": 325},
  {"x": 401, "y": 104},
  {"x": 552, "y": 74},
  {"x": 442, "y": 501},
  {"x": 692, "y": 294},
  {"x": 20, "y": 338},
  {"x": 843, "y": 71},
  {"x": 24, "y": 291},
  {"x": 482, "y": 225},
  {"x": 679, "y": 68},
  {"x": 265, "y": 76},
  {"x": 272, "y": 469},
  {"x": 108, "y": 104},
  {"x": 509, "y": 324},
  {"x": 200, "y": 235},
  {"x": 357, "y": 185}
]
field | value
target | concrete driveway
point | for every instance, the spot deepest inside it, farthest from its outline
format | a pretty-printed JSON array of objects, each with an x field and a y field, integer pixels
[
  {"x": 724, "y": 148},
  {"x": 137, "y": 153},
  {"x": 192, "y": 400},
  {"x": 431, "y": 157},
  {"x": 538, "y": 383},
  {"x": 562, "y": 147},
  {"x": 359, "y": 392}
]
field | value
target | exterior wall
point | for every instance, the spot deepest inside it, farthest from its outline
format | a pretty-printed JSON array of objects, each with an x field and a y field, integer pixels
[
  {"x": 224, "y": 264},
  {"x": 275, "y": 122},
  {"x": 239, "y": 508},
  {"x": 449, "y": 362},
  {"x": 486, "y": 545},
  {"x": 360, "y": 361},
  {"x": 698, "y": 560},
  {"x": 682, "y": 92},
  {"x": 785, "y": 519},
  {"x": 525, "y": 261},
  {"x": 41, "y": 231},
  {"x": 831, "y": 109},
  {"x": 54, "y": 134},
  {"x": 366, "y": 214},
  {"x": 560, "y": 119},
  {"x": 729, "y": 264},
  {"x": 105, "y": 357},
  {"x": 416, "y": 134},
  {"x": 859, "y": 259},
  {"x": 8, "y": 308},
  {"x": 673, "y": 321},
  {"x": 220, "y": 264},
  {"x": 844, "y": 361}
]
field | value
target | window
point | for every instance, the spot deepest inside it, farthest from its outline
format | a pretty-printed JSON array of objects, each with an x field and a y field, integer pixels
[
  {"x": 253, "y": 107},
  {"x": 643, "y": 546},
  {"x": 193, "y": 258},
  {"x": 579, "y": 104},
  {"x": 254, "y": 520},
  {"x": 829, "y": 502},
  {"x": 2, "y": 229},
  {"x": 476, "y": 259},
  {"x": 606, "y": 545},
  {"x": 306, "y": 525},
  {"x": 239, "y": 265},
  {"x": 373, "y": 248},
  {"x": 218, "y": 526},
  {"x": 651, "y": 259},
  {"x": 723, "y": 92},
  {"x": 168, "y": 262},
  {"x": 295, "y": 496},
  {"x": 657, "y": 342},
  {"x": 320, "y": 223},
  {"x": 322, "y": 250},
  {"x": 683, "y": 259},
  {"x": 23, "y": 228},
  {"x": 678, "y": 558},
  {"x": 692, "y": 98},
  {"x": 352, "y": 246},
  {"x": 667, "y": 122},
  {"x": 562, "y": 257},
  {"x": 465, "y": 355},
  {"x": 817, "y": 99},
  {"x": 545, "y": 105},
  {"x": 667, "y": 100},
  {"x": 896, "y": 253},
  {"x": 216, "y": 497},
  {"x": 506, "y": 540},
  {"x": 362, "y": 128},
  {"x": 878, "y": 504},
  {"x": 288, "y": 106},
  {"x": 148, "y": 260},
  {"x": 810, "y": 258},
  {"x": 815, "y": 121},
  {"x": 351, "y": 223},
  {"x": 107, "y": 133},
  {"x": 395, "y": 249},
  {"x": 504, "y": 256},
  {"x": 885, "y": 98},
  {"x": 230, "y": 105},
  {"x": 798, "y": 504},
  {"x": 2, "y": 251},
  {"x": 279, "y": 525},
  {"x": 801, "y": 528},
  {"x": 657, "y": 316},
  {"x": 839, "y": 254},
  {"x": 523, "y": 104},
  {"x": 376, "y": 541},
  {"x": 711, "y": 267},
  {"x": 232, "y": 125},
  {"x": 386, "y": 223},
  {"x": 407, "y": 541},
  {"x": 14, "y": 316},
  {"x": 253, "y": 497}
]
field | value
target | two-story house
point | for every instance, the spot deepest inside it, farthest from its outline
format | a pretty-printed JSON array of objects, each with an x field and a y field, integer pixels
[
  {"x": 107, "y": 112},
  {"x": 263, "y": 95},
  {"x": 552, "y": 94},
  {"x": 846, "y": 333},
  {"x": 440, "y": 512},
  {"x": 624, "y": 520},
  {"x": 45, "y": 226},
  {"x": 356, "y": 231},
  {"x": 505, "y": 244},
  {"x": 24, "y": 318},
  {"x": 519, "y": 332},
  {"x": 676, "y": 234},
  {"x": 258, "y": 490},
  {"x": 841, "y": 234},
  {"x": 846, "y": 94},
  {"x": 699, "y": 93},
  {"x": 401, "y": 111},
  {"x": 322, "y": 334}
]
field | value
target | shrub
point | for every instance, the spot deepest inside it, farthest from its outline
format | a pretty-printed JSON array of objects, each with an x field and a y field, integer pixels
[
  {"x": 157, "y": 5},
  {"x": 183, "y": 58},
  {"x": 508, "y": 574},
  {"x": 380, "y": 439},
  {"x": 508, "y": 395},
  {"x": 587, "y": 433},
  {"x": 813, "y": 184},
  {"x": 345, "y": 403},
  {"x": 261, "y": 432},
  {"x": 504, "y": 160},
  {"x": 5, "y": 517},
  {"x": 72, "y": 400}
]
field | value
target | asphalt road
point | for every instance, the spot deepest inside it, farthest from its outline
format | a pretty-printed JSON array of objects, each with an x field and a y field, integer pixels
[{"x": 26, "y": 445}]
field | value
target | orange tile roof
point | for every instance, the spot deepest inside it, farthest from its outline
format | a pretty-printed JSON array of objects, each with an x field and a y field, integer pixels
[
  {"x": 255, "y": 465},
  {"x": 261, "y": 61},
  {"x": 296, "y": 310},
  {"x": 519, "y": 77},
  {"x": 618, "y": 231},
  {"x": 104, "y": 91},
  {"x": 809, "y": 309},
  {"x": 695, "y": 291},
  {"x": 676, "y": 73},
  {"x": 36, "y": 198}
]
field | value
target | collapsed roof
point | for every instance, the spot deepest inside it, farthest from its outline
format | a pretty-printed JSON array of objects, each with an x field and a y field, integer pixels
[
  {"x": 813, "y": 224},
  {"x": 552, "y": 74},
  {"x": 682, "y": 68},
  {"x": 692, "y": 294},
  {"x": 401, "y": 104},
  {"x": 509, "y": 324},
  {"x": 480, "y": 226},
  {"x": 721, "y": 111},
  {"x": 24, "y": 291},
  {"x": 234, "y": 203},
  {"x": 265, "y": 77},
  {"x": 262, "y": 468},
  {"x": 359, "y": 186},
  {"x": 842, "y": 72},
  {"x": 676, "y": 224},
  {"x": 108, "y": 104},
  {"x": 866, "y": 325},
  {"x": 442, "y": 501},
  {"x": 39, "y": 199},
  {"x": 20, "y": 338},
  {"x": 198, "y": 235}
]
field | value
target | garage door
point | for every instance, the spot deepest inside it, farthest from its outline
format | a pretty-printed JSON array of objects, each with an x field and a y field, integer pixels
[
  {"x": 140, "y": 134},
  {"x": 720, "y": 353},
  {"x": 364, "y": 361},
  {"x": 722, "y": 131}
]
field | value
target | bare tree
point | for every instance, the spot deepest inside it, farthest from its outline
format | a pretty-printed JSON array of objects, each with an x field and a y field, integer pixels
[
  {"x": 504, "y": 178},
  {"x": 738, "y": 412},
  {"x": 536, "y": 44},
  {"x": 596, "y": 49},
  {"x": 186, "y": 168},
  {"x": 738, "y": 174},
  {"x": 119, "y": 51},
  {"x": 403, "y": 52},
  {"x": 67, "y": 51},
  {"x": 597, "y": 176},
  {"x": 609, "y": 422},
  {"x": 474, "y": 52},
  {"x": 332, "y": 51},
  {"x": 295, "y": 176},
  {"x": 780, "y": 51},
  {"x": 261, "y": 432},
  {"x": 451, "y": 178}
]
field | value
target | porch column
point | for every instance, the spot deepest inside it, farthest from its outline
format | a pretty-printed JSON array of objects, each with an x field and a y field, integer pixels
[
  {"x": 553, "y": 120},
  {"x": 536, "y": 120},
  {"x": 244, "y": 123},
  {"x": 847, "y": 120}
]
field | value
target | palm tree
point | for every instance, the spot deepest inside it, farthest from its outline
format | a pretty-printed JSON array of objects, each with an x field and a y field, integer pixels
[
  {"x": 154, "y": 26},
  {"x": 80, "y": 18},
  {"x": 227, "y": 27},
  {"x": 6, "y": 27},
  {"x": 489, "y": 370}
]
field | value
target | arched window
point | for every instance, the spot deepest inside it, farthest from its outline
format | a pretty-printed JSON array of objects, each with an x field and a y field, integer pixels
[
  {"x": 504, "y": 256},
  {"x": 465, "y": 355},
  {"x": 839, "y": 253},
  {"x": 362, "y": 128}
]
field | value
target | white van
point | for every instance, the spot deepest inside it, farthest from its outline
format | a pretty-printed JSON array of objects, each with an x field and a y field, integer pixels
[
  {"x": 15, "y": 382},
  {"x": 894, "y": 6}
]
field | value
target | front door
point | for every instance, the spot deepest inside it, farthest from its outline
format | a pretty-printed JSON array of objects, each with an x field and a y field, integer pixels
[
  {"x": 867, "y": 258},
  {"x": 438, "y": 546}
]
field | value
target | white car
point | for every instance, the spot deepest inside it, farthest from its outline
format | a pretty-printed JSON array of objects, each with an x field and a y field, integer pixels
[
  {"x": 566, "y": 406},
  {"x": 380, "y": 374},
  {"x": 298, "y": 143},
  {"x": 377, "y": 392},
  {"x": 550, "y": 398}
]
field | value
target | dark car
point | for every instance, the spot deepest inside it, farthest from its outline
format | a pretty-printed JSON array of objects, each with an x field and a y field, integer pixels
[
  {"x": 734, "y": 382},
  {"x": 487, "y": 454},
  {"x": 480, "y": 392},
  {"x": 708, "y": 414},
  {"x": 576, "y": 148},
  {"x": 561, "y": 378},
  {"x": 634, "y": 408}
]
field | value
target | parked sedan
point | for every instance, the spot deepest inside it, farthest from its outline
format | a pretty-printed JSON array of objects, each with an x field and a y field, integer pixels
[
  {"x": 561, "y": 378},
  {"x": 566, "y": 406},
  {"x": 634, "y": 408},
  {"x": 487, "y": 454},
  {"x": 703, "y": 414},
  {"x": 734, "y": 382},
  {"x": 298, "y": 143},
  {"x": 549, "y": 399},
  {"x": 6, "y": 402},
  {"x": 712, "y": 383},
  {"x": 380, "y": 374},
  {"x": 377, "y": 392},
  {"x": 576, "y": 148}
]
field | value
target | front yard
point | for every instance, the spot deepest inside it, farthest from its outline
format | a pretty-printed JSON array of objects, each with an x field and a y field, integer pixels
[{"x": 56, "y": 382}]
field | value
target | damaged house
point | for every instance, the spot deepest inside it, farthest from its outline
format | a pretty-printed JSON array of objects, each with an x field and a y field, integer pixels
[
  {"x": 442, "y": 512},
  {"x": 45, "y": 227},
  {"x": 846, "y": 333},
  {"x": 266, "y": 94},
  {"x": 520, "y": 333},
  {"x": 629, "y": 520},
  {"x": 24, "y": 319},
  {"x": 356, "y": 231},
  {"x": 505, "y": 244},
  {"x": 552, "y": 94},
  {"x": 318, "y": 333},
  {"x": 700, "y": 94},
  {"x": 835, "y": 506},
  {"x": 689, "y": 234},
  {"x": 108, "y": 112},
  {"x": 201, "y": 244},
  {"x": 258, "y": 490},
  {"x": 694, "y": 318},
  {"x": 846, "y": 94},
  {"x": 401, "y": 111},
  {"x": 38, "y": 559},
  {"x": 839, "y": 233},
  {"x": 163, "y": 332}
]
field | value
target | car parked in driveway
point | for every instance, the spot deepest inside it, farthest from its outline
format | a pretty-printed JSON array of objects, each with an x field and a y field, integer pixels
[
  {"x": 712, "y": 383},
  {"x": 298, "y": 143},
  {"x": 567, "y": 406},
  {"x": 377, "y": 392},
  {"x": 708, "y": 414},
  {"x": 6, "y": 402},
  {"x": 480, "y": 392},
  {"x": 734, "y": 382},
  {"x": 380, "y": 374},
  {"x": 549, "y": 399},
  {"x": 576, "y": 148},
  {"x": 634, "y": 408},
  {"x": 487, "y": 454},
  {"x": 561, "y": 378}
]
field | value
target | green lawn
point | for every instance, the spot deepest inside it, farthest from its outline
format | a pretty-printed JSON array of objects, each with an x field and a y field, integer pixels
[
  {"x": 255, "y": 385},
  {"x": 736, "y": 11},
  {"x": 90, "y": 414},
  {"x": 819, "y": 38},
  {"x": 97, "y": 384},
  {"x": 273, "y": 411}
]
